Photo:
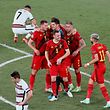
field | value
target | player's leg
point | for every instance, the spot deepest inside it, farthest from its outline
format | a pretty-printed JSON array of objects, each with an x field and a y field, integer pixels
[
  {"x": 53, "y": 74},
  {"x": 36, "y": 64},
  {"x": 29, "y": 30},
  {"x": 70, "y": 83},
  {"x": 89, "y": 92},
  {"x": 48, "y": 82},
  {"x": 78, "y": 80},
  {"x": 100, "y": 79},
  {"x": 63, "y": 71},
  {"x": 32, "y": 78},
  {"x": 77, "y": 64},
  {"x": 105, "y": 94},
  {"x": 15, "y": 39}
]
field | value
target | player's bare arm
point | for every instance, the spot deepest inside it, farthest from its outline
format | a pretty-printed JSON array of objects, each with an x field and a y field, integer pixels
[
  {"x": 47, "y": 58},
  {"x": 82, "y": 45},
  {"x": 92, "y": 61},
  {"x": 33, "y": 47},
  {"x": 28, "y": 97},
  {"x": 108, "y": 55}
]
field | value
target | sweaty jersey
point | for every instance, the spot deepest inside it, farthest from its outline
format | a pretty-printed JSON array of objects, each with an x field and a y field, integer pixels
[
  {"x": 21, "y": 16},
  {"x": 99, "y": 49},
  {"x": 73, "y": 41},
  {"x": 21, "y": 90},
  {"x": 56, "y": 50}
]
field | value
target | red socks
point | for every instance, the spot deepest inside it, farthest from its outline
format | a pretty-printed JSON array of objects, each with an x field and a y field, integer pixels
[
  {"x": 89, "y": 90},
  {"x": 78, "y": 79},
  {"x": 48, "y": 81},
  {"x": 69, "y": 78},
  {"x": 66, "y": 86},
  {"x": 54, "y": 87},
  {"x": 32, "y": 80},
  {"x": 105, "y": 93}
]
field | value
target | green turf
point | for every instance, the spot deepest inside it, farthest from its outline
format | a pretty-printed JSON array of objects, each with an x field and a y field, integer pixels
[{"x": 88, "y": 16}]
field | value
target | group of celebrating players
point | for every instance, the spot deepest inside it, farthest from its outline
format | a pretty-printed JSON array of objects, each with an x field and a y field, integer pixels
[{"x": 57, "y": 48}]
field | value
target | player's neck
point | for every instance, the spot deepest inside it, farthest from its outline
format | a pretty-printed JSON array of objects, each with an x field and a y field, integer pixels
[
  {"x": 55, "y": 41},
  {"x": 95, "y": 43}
]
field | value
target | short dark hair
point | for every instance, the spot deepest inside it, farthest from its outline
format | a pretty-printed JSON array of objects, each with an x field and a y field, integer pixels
[
  {"x": 15, "y": 74},
  {"x": 56, "y": 20},
  {"x": 69, "y": 22},
  {"x": 55, "y": 31},
  {"x": 43, "y": 21},
  {"x": 27, "y": 6}
]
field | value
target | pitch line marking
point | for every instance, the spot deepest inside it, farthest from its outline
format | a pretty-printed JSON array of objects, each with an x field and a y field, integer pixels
[
  {"x": 86, "y": 74},
  {"x": 13, "y": 60},
  {"x": 15, "y": 49},
  {"x": 7, "y": 101}
]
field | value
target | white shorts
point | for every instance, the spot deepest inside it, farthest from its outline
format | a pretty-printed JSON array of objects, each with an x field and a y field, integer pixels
[
  {"x": 25, "y": 107},
  {"x": 28, "y": 29}
]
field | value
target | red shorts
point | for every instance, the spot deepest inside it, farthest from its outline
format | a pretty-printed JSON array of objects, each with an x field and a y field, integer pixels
[
  {"x": 98, "y": 73},
  {"x": 39, "y": 62},
  {"x": 60, "y": 70},
  {"x": 76, "y": 61}
]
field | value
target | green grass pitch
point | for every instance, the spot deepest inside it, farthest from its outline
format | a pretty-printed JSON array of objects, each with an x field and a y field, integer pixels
[{"x": 88, "y": 16}]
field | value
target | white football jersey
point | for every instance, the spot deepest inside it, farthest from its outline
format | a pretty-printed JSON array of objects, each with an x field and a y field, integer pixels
[
  {"x": 21, "y": 16},
  {"x": 21, "y": 89}
]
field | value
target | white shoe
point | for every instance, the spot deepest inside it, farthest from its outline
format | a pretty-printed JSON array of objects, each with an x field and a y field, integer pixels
[
  {"x": 69, "y": 94},
  {"x": 48, "y": 90},
  {"x": 107, "y": 105},
  {"x": 77, "y": 89},
  {"x": 71, "y": 87},
  {"x": 85, "y": 101},
  {"x": 54, "y": 98}
]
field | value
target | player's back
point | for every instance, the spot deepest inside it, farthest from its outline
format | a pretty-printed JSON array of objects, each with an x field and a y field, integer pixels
[
  {"x": 100, "y": 49},
  {"x": 21, "y": 16}
]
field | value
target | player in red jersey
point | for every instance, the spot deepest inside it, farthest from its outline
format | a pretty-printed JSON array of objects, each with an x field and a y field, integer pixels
[
  {"x": 98, "y": 59},
  {"x": 76, "y": 44},
  {"x": 39, "y": 39},
  {"x": 57, "y": 53}
]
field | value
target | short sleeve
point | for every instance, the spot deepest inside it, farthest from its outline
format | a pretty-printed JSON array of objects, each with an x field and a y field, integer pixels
[{"x": 25, "y": 86}]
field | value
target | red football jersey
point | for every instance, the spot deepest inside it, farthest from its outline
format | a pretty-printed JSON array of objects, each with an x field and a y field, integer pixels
[
  {"x": 99, "y": 49},
  {"x": 73, "y": 41},
  {"x": 40, "y": 39},
  {"x": 55, "y": 51}
]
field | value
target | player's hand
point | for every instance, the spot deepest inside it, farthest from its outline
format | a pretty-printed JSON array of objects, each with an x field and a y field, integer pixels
[
  {"x": 49, "y": 64},
  {"x": 86, "y": 65},
  {"x": 37, "y": 52},
  {"x": 75, "y": 53},
  {"x": 59, "y": 61},
  {"x": 21, "y": 103}
]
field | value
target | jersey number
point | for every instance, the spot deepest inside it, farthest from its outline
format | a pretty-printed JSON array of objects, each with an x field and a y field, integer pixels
[
  {"x": 19, "y": 13},
  {"x": 102, "y": 55}
]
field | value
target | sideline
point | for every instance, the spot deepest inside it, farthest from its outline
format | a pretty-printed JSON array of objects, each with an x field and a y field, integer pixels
[{"x": 7, "y": 101}]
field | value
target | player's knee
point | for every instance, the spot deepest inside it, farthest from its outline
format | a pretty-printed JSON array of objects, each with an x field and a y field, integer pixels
[{"x": 65, "y": 79}]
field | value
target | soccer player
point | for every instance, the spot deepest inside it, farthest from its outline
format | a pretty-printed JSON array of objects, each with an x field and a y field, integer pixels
[
  {"x": 19, "y": 26},
  {"x": 98, "y": 51},
  {"x": 23, "y": 93},
  {"x": 55, "y": 25},
  {"x": 39, "y": 39},
  {"x": 76, "y": 44},
  {"x": 56, "y": 54}
]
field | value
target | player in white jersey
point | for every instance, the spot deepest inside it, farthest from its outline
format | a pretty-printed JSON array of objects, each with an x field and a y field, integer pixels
[
  {"x": 23, "y": 92},
  {"x": 23, "y": 23}
]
